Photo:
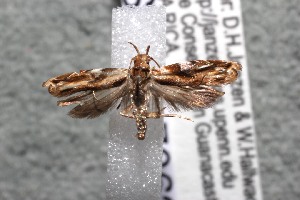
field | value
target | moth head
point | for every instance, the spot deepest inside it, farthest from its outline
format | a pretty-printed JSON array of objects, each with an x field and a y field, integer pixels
[{"x": 142, "y": 60}]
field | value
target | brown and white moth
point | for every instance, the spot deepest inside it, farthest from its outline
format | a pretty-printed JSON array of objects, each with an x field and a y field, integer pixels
[{"x": 140, "y": 88}]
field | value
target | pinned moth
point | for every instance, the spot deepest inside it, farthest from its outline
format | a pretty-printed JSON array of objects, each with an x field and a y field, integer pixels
[{"x": 183, "y": 86}]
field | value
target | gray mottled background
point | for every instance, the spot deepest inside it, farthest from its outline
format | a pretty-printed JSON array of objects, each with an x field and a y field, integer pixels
[{"x": 45, "y": 155}]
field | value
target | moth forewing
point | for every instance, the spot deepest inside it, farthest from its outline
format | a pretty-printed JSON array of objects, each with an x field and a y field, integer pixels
[
  {"x": 198, "y": 72},
  {"x": 138, "y": 91},
  {"x": 97, "y": 79}
]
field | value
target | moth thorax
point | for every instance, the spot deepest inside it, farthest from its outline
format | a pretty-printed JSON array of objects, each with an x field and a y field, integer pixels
[{"x": 140, "y": 71}]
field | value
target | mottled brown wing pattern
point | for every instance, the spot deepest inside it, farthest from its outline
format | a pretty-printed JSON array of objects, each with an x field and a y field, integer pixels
[
  {"x": 197, "y": 73},
  {"x": 96, "y": 91},
  {"x": 190, "y": 85},
  {"x": 95, "y": 79}
]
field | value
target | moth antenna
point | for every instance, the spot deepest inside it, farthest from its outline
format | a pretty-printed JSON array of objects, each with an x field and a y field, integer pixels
[
  {"x": 155, "y": 62},
  {"x": 137, "y": 50},
  {"x": 147, "y": 50}
]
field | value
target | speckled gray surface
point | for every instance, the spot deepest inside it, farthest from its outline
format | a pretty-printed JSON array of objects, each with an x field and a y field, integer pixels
[
  {"x": 45, "y": 155},
  {"x": 272, "y": 30}
]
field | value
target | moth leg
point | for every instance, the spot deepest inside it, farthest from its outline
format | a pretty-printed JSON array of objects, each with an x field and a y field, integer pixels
[
  {"x": 160, "y": 110},
  {"x": 127, "y": 112},
  {"x": 157, "y": 105},
  {"x": 175, "y": 115},
  {"x": 94, "y": 95},
  {"x": 159, "y": 115}
]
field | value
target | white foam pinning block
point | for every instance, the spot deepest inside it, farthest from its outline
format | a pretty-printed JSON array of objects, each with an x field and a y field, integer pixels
[{"x": 134, "y": 166}]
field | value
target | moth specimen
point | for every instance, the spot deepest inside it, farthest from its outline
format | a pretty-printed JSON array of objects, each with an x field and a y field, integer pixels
[{"x": 183, "y": 86}]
